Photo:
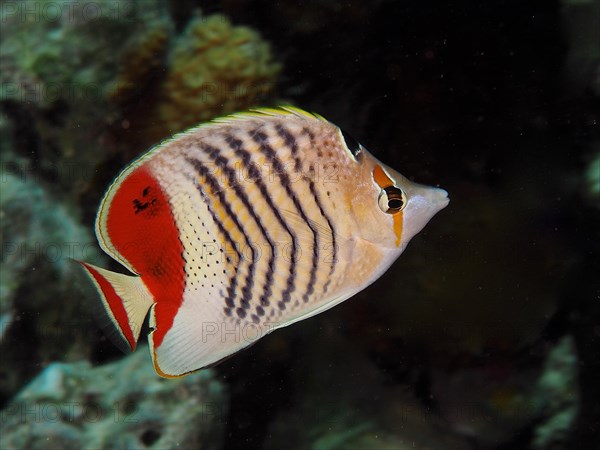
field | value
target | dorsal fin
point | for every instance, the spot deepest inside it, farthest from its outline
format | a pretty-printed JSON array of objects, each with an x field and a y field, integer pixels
[{"x": 280, "y": 111}]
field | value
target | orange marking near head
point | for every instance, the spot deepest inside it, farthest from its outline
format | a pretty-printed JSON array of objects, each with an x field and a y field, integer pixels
[
  {"x": 398, "y": 227},
  {"x": 381, "y": 178}
]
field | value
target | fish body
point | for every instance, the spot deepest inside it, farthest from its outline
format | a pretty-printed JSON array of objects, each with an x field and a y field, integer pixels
[{"x": 244, "y": 225}]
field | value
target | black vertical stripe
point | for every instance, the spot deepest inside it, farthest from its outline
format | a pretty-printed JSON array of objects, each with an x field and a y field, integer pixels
[
  {"x": 290, "y": 141},
  {"x": 262, "y": 140},
  {"x": 233, "y": 279},
  {"x": 317, "y": 199},
  {"x": 315, "y": 194},
  {"x": 222, "y": 162},
  {"x": 237, "y": 146},
  {"x": 203, "y": 171}
]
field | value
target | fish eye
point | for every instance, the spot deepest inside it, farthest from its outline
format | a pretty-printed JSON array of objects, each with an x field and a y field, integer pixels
[
  {"x": 391, "y": 200},
  {"x": 352, "y": 144}
]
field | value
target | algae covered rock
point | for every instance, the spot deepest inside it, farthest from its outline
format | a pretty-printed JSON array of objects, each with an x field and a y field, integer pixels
[
  {"x": 42, "y": 307},
  {"x": 60, "y": 61},
  {"x": 70, "y": 52},
  {"x": 119, "y": 405}
]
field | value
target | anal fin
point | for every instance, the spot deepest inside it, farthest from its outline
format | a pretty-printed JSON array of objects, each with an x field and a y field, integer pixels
[{"x": 200, "y": 337}]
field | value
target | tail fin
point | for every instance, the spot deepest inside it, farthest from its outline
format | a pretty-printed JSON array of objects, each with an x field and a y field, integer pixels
[{"x": 126, "y": 300}]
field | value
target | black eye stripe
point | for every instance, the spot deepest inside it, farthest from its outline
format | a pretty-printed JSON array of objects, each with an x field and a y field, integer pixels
[
  {"x": 393, "y": 192},
  {"x": 395, "y": 199},
  {"x": 352, "y": 144}
]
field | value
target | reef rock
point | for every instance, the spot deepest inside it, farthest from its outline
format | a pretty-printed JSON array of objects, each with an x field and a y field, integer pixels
[
  {"x": 60, "y": 63},
  {"x": 118, "y": 405},
  {"x": 42, "y": 312}
]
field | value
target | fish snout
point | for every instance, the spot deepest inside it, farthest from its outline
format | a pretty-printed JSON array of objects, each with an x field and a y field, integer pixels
[{"x": 424, "y": 202}]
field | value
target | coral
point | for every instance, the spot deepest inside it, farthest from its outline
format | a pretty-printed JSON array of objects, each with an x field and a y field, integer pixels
[
  {"x": 77, "y": 406},
  {"x": 214, "y": 68}
]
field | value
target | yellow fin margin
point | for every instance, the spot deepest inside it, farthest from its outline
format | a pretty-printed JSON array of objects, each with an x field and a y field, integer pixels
[{"x": 284, "y": 110}]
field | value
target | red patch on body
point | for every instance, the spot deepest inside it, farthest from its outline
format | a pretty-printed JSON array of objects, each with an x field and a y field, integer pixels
[{"x": 142, "y": 228}]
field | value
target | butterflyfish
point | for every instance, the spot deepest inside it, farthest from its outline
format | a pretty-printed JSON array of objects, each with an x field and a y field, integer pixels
[{"x": 244, "y": 225}]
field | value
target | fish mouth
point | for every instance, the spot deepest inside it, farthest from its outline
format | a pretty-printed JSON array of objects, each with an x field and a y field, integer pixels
[
  {"x": 440, "y": 198},
  {"x": 427, "y": 199}
]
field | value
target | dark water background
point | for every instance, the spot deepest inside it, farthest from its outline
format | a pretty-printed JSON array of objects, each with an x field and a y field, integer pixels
[{"x": 498, "y": 102}]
